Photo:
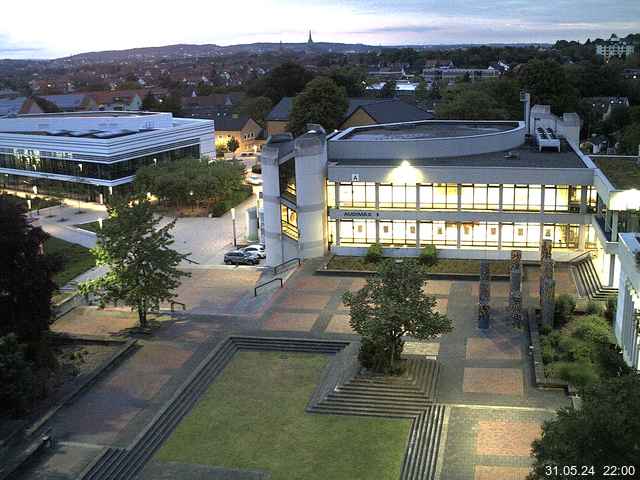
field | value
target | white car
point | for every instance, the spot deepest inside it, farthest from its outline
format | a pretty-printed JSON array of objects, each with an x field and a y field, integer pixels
[
  {"x": 254, "y": 179},
  {"x": 256, "y": 248}
]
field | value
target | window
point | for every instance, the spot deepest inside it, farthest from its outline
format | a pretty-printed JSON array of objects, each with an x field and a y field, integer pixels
[
  {"x": 520, "y": 235},
  {"x": 357, "y": 232},
  {"x": 332, "y": 231},
  {"x": 357, "y": 195},
  {"x": 480, "y": 197},
  {"x": 590, "y": 237},
  {"x": 442, "y": 234},
  {"x": 556, "y": 198},
  {"x": 562, "y": 235},
  {"x": 479, "y": 234},
  {"x": 289, "y": 221},
  {"x": 331, "y": 194},
  {"x": 521, "y": 197},
  {"x": 439, "y": 196},
  {"x": 398, "y": 232},
  {"x": 397, "y": 196}
]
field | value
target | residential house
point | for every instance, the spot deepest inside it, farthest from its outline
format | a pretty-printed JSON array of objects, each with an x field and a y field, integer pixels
[
  {"x": 249, "y": 134},
  {"x": 602, "y": 107}
]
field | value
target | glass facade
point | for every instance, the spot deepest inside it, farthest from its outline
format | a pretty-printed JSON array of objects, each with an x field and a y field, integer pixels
[
  {"x": 289, "y": 221},
  {"x": 35, "y": 161},
  {"x": 465, "y": 197}
]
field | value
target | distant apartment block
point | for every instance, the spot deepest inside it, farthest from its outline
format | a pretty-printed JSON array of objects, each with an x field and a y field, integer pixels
[{"x": 614, "y": 47}]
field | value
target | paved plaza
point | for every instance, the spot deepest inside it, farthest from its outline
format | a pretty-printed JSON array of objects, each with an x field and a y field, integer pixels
[{"x": 486, "y": 378}]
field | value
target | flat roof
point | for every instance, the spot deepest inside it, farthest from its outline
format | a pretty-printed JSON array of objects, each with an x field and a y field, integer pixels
[
  {"x": 525, "y": 156},
  {"x": 622, "y": 171},
  {"x": 424, "y": 130},
  {"x": 89, "y": 113}
]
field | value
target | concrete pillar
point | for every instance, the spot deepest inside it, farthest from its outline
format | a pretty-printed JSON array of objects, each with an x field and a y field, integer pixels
[
  {"x": 484, "y": 297},
  {"x": 311, "y": 175},
  {"x": 614, "y": 226},
  {"x": 515, "y": 293},
  {"x": 583, "y": 199},
  {"x": 271, "y": 205},
  {"x": 547, "y": 284},
  {"x": 582, "y": 235}
]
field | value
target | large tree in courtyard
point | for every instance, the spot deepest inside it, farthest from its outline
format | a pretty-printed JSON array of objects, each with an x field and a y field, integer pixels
[
  {"x": 321, "y": 101},
  {"x": 26, "y": 283},
  {"x": 142, "y": 265},
  {"x": 604, "y": 431},
  {"x": 391, "y": 305}
]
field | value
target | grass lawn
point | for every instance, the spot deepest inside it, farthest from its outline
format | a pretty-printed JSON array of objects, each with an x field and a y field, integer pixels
[
  {"x": 76, "y": 259},
  {"x": 444, "y": 265},
  {"x": 253, "y": 417},
  {"x": 624, "y": 173}
]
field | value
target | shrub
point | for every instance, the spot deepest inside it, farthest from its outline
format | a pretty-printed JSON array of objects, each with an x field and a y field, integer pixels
[
  {"x": 257, "y": 169},
  {"x": 579, "y": 374},
  {"x": 611, "y": 361},
  {"x": 593, "y": 308},
  {"x": 565, "y": 307},
  {"x": 17, "y": 383},
  {"x": 428, "y": 256},
  {"x": 610, "y": 310},
  {"x": 593, "y": 329},
  {"x": 374, "y": 253}
]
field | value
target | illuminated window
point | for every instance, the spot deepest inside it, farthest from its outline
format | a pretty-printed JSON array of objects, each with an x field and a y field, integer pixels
[
  {"x": 439, "y": 196},
  {"x": 332, "y": 231},
  {"x": 358, "y": 195},
  {"x": 398, "y": 233},
  {"x": 289, "y": 221},
  {"x": 520, "y": 235},
  {"x": 521, "y": 197},
  {"x": 562, "y": 235},
  {"x": 442, "y": 234},
  {"x": 479, "y": 234},
  {"x": 397, "y": 196},
  {"x": 556, "y": 198},
  {"x": 357, "y": 232},
  {"x": 590, "y": 240},
  {"x": 331, "y": 194},
  {"x": 480, "y": 197}
]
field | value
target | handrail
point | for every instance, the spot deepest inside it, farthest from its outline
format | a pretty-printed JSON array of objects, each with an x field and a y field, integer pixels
[
  {"x": 579, "y": 257},
  {"x": 174, "y": 302},
  {"x": 275, "y": 269},
  {"x": 255, "y": 290}
]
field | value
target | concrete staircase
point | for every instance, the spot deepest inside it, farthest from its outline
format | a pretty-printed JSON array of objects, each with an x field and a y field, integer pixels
[{"x": 588, "y": 280}]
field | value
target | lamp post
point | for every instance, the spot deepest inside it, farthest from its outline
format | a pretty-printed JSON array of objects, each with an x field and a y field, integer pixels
[
  {"x": 100, "y": 223},
  {"x": 79, "y": 188},
  {"x": 233, "y": 224}
]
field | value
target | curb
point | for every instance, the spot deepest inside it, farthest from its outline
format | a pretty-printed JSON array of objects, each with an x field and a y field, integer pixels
[{"x": 432, "y": 276}]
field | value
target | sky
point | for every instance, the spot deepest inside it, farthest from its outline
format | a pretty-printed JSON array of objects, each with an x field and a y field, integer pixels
[{"x": 46, "y": 29}]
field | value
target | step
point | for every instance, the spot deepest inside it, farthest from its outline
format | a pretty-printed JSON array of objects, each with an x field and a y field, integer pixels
[
  {"x": 379, "y": 392},
  {"x": 374, "y": 412},
  {"x": 382, "y": 402}
]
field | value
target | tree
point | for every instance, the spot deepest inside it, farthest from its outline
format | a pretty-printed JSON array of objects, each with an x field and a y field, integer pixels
[
  {"x": 422, "y": 93},
  {"x": 233, "y": 144},
  {"x": 322, "y": 101},
  {"x": 388, "y": 90},
  {"x": 547, "y": 82},
  {"x": 257, "y": 108},
  {"x": 142, "y": 266},
  {"x": 391, "y": 305},
  {"x": 630, "y": 140},
  {"x": 150, "y": 103},
  {"x": 26, "y": 283},
  {"x": 285, "y": 80},
  {"x": 351, "y": 78},
  {"x": 17, "y": 381},
  {"x": 468, "y": 102},
  {"x": 604, "y": 431}
]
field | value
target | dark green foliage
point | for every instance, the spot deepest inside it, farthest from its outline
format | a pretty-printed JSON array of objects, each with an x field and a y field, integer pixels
[
  {"x": 233, "y": 144},
  {"x": 547, "y": 82},
  {"x": 236, "y": 197},
  {"x": 630, "y": 139},
  {"x": 593, "y": 329},
  {"x": 257, "y": 108},
  {"x": 593, "y": 308},
  {"x": 150, "y": 103},
  {"x": 142, "y": 265},
  {"x": 351, "y": 79},
  {"x": 578, "y": 373},
  {"x": 391, "y": 305},
  {"x": 26, "y": 275},
  {"x": 604, "y": 431},
  {"x": 422, "y": 93},
  {"x": 374, "y": 253},
  {"x": 428, "y": 256},
  {"x": 17, "y": 382},
  {"x": 286, "y": 80},
  {"x": 322, "y": 102},
  {"x": 610, "y": 310},
  {"x": 487, "y": 100},
  {"x": 565, "y": 306},
  {"x": 192, "y": 182}
]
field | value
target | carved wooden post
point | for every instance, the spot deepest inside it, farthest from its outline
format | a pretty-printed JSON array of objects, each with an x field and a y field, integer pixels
[
  {"x": 484, "y": 309},
  {"x": 515, "y": 293},
  {"x": 547, "y": 284}
]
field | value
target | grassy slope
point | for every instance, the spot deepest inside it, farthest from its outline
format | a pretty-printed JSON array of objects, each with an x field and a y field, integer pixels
[
  {"x": 253, "y": 417},
  {"x": 76, "y": 259}
]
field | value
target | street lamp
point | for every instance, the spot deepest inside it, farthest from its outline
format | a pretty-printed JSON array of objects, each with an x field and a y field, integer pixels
[
  {"x": 79, "y": 187},
  {"x": 233, "y": 223}
]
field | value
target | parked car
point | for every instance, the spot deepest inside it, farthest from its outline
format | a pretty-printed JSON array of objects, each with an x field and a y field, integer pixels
[
  {"x": 238, "y": 257},
  {"x": 257, "y": 248},
  {"x": 254, "y": 179}
]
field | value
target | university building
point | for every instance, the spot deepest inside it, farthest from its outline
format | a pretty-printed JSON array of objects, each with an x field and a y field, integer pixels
[
  {"x": 90, "y": 155},
  {"x": 474, "y": 189}
]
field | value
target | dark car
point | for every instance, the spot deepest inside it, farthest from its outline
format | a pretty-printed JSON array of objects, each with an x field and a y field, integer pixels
[{"x": 238, "y": 257}]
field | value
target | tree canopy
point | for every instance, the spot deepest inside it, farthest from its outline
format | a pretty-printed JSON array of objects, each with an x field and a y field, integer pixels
[
  {"x": 391, "y": 305},
  {"x": 257, "y": 108},
  {"x": 604, "y": 431},
  {"x": 548, "y": 84},
  {"x": 26, "y": 283},
  {"x": 142, "y": 265},
  {"x": 286, "y": 80},
  {"x": 322, "y": 101}
]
